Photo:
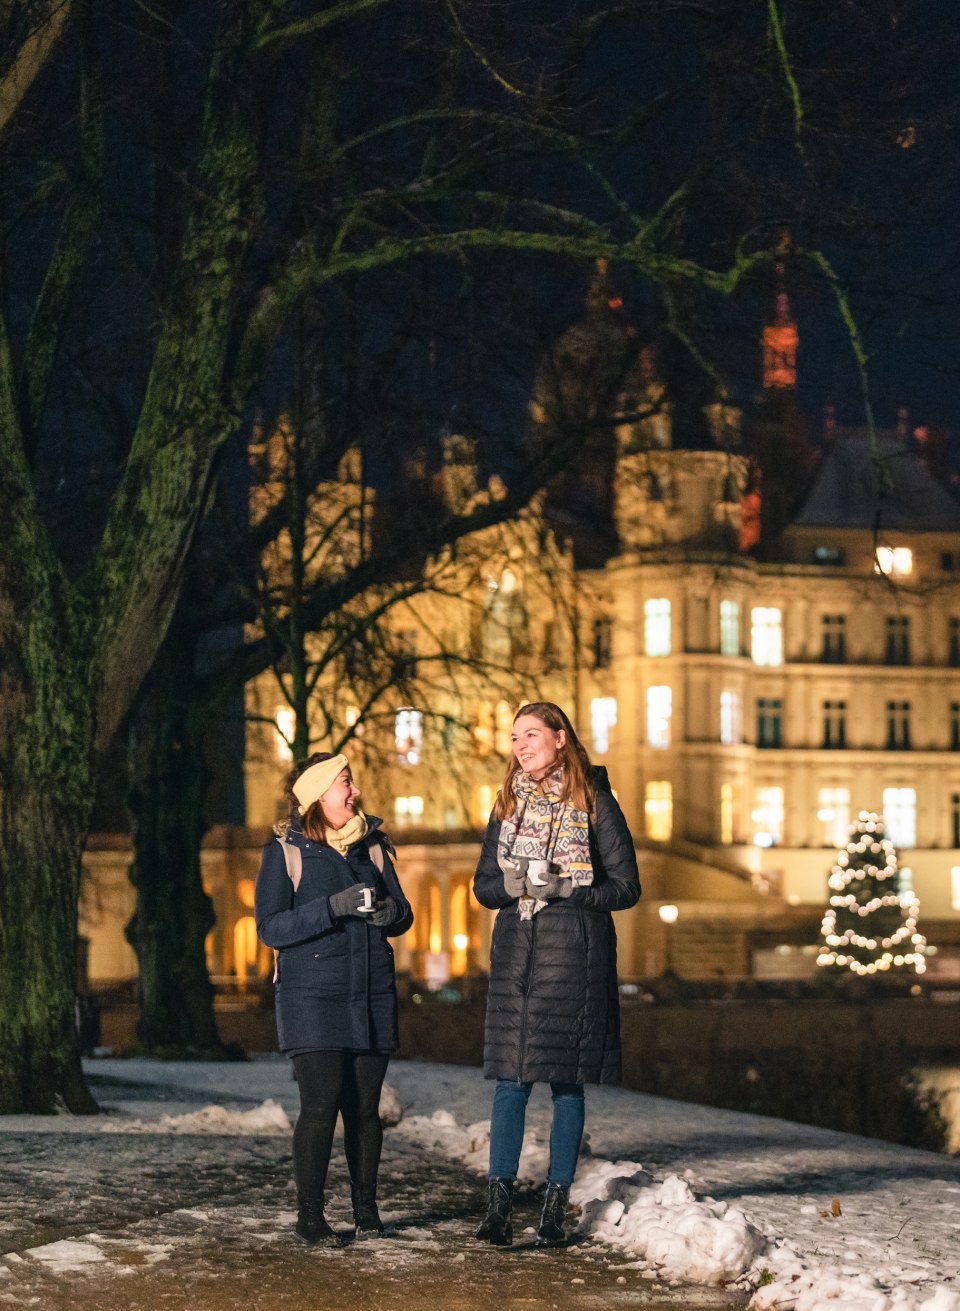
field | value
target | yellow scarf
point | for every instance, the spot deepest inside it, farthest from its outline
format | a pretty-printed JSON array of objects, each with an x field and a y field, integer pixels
[{"x": 342, "y": 838}]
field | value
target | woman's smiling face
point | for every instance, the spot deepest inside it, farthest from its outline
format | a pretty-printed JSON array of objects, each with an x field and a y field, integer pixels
[
  {"x": 536, "y": 746},
  {"x": 339, "y": 802}
]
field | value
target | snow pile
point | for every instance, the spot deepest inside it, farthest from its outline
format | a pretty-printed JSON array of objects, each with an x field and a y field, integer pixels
[
  {"x": 267, "y": 1118},
  {"x": 470, "y": 1144},
  {"x": 678, "y": 1237}
]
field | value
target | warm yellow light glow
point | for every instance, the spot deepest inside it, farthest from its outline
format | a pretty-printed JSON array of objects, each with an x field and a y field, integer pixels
[
  {"x": 766, "y": 635},
  {"x": 658, "y": 810},
  {"x": 245, "y": 891},
  {"x": 286, "y": 723},
  {"x": 244, "y": 946},
  {"x": 436, "y": 926},
  {"x": 726, "y": 813},
  {"x": 894, "y": 561},
  {"x": 461, "y": 941}
]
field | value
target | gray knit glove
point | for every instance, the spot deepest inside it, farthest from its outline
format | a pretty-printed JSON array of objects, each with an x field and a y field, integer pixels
[
  {"x": 514, "y": 883},
  {"x": 384, "y": 913},
  {"x": 554, "y": 888},
  {"x": 345, "y": 903}
]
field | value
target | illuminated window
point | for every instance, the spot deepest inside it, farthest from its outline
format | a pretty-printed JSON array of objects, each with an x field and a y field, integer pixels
[
  {"x": 659, "y": 710},
  {"x": 656, "y": 627},
  {"x": 603, "y": 717},
  {"x": 955, "y": 887},
  {"x": 407, "y": 811},
  {"x": 726, "y": 813},
  {"x": 286, "y": 723},
  {"x": 767, "y": 817},
  {"x": 731, "y": 729},
  {"x": 408, "y": 735},
  {"x": 833, "y": 814},
  {"x": 730, "y": 628},
  {"x": 502, "y": 728},
  {"x": 766, "y": 636},
  {"x": 900, "y": 816},
  {"x": 658, "y": 811},
  {"x": 894, "y": 561}
]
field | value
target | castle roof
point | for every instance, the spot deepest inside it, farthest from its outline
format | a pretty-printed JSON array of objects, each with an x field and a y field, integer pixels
[{"x": 848, "y": 493}]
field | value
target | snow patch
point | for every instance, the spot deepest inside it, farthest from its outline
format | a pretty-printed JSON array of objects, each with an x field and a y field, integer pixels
[{"x": 67, "y": 1255}]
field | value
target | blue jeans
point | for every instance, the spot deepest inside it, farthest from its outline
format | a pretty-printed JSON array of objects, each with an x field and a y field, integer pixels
[{"x": 506, "y": 1129}]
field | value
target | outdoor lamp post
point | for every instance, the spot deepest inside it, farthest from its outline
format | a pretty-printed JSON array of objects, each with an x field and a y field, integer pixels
[{"x": 669, "y": 915}]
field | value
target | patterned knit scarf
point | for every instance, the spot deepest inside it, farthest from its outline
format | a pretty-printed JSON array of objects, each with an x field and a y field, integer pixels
[{"x": 543, "y": 827}]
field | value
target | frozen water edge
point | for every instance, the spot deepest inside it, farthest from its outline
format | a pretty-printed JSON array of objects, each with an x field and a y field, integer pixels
[{"x": 720, "y": 1198}]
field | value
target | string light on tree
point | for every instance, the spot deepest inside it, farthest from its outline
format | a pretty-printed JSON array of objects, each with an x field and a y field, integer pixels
[{"x": 869, "y": 927}]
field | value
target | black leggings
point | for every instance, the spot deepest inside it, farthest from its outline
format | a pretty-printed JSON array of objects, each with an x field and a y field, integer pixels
[{"x": 332, "y": 1081}]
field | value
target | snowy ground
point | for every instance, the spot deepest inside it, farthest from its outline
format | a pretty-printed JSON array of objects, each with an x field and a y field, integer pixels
[{"x": 180, "y": 1196}]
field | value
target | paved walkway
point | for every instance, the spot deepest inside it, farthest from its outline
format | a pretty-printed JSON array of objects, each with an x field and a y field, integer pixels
[{"x": 204, "y": 1223}]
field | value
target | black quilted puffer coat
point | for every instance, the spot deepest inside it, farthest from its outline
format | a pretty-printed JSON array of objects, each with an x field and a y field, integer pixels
[{"x": 553, "y": 1012}]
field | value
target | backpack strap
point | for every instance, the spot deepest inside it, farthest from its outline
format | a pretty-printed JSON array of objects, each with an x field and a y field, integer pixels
[{"x": 293, "y": 858}]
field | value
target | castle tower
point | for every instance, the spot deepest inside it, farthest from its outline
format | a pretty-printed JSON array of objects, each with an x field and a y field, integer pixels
[{"x": 780, "y": 340}]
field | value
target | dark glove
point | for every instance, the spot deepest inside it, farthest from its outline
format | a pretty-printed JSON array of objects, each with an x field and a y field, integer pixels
[
  {"x": 554, "y": 888},
  {"x": 384, "y": 913},
  {"x": 346, "y": 903},
  {"x": 514, "y": 883}
]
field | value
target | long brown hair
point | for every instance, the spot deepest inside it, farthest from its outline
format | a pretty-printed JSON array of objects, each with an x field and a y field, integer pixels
[
  {"x": 313, "y": 822},
  {"x": 578, "y": 787}
]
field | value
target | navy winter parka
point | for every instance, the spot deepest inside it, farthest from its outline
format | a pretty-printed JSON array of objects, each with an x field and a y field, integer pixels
[
  {"x": 336, "y": 986},
  {"x": 553, "y": 1007}
]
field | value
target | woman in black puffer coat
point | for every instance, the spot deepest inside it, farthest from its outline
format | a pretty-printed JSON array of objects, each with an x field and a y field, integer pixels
[
  {"x": 327, "y": 899},
  {"x": 557, "y": 858}
]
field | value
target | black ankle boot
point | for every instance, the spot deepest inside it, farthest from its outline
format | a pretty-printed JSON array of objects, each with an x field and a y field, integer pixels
[
  {"x": 496, "y": 1227},
  {"x": 550, "y": 1233},
  {"x": 312, "y": 1227},
  {"x": 365, "y": 1214}
]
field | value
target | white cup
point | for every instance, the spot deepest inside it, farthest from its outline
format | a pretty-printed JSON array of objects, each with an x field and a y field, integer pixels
[
  {"x": 367, "y": 900},
  {"x": 535, "y": 871}
]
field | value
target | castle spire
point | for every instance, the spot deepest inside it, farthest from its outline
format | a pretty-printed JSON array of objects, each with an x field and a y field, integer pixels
[{"x": 780, "y": 339}]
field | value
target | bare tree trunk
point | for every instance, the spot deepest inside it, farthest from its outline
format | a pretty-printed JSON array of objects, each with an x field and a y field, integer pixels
[{"x": 167, "y": 786}]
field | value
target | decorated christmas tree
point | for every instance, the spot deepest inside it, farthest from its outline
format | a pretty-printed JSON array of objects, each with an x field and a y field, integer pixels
[{"x": 869, "y": 927}]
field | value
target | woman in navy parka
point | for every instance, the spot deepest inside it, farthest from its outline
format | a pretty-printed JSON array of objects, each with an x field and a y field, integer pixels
[{"x": 335, "y": 991}]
